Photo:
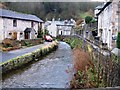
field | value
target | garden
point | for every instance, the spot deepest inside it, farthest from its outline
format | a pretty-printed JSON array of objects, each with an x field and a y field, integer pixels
[{"x": 10, "y": 44}]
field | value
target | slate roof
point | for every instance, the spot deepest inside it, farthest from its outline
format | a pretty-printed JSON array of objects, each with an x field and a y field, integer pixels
[
  {"x": 108, "y": 3},
  {"x": 17, "y": 15},
  {"x": 99, "y": 7},
  {"x": 59, "y": 23}
]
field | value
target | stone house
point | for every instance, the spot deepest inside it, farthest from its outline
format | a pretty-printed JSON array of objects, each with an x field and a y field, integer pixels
[
  {"x": 18, "y": 26},
  {"x": 57, "y": 28},
  {"x": 108, "y": 19}
]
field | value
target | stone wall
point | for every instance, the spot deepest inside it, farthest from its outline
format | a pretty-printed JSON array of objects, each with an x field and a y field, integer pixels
[
  {"x": 32, "y": 56},
  {"x": 107, "y": 65},
  {"x": 31, "y": 41}
]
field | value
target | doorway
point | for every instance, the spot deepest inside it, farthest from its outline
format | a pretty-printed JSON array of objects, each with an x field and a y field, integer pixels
[
  {"x": 27, "y": 35},
  {"x": 61, "y": 32},
  {"x": 14, "y": 36}
]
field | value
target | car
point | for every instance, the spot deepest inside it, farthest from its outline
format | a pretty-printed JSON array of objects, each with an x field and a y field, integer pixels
[{"x": 48, "y": 38}]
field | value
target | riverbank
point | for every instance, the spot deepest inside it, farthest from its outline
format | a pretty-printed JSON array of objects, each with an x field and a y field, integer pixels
[
  {"x": 55, "y": 71},
  {"x": 99, "y": 69},
  {"x": 31, "y": 56}
]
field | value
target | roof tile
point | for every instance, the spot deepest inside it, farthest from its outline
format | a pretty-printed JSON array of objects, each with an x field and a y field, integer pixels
[{"x": 17, "y": 15}]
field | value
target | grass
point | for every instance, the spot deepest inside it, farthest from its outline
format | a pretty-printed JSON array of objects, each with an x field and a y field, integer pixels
[
  {"x": 73, "y": 42},
  {"x": 83, "y": 15}
]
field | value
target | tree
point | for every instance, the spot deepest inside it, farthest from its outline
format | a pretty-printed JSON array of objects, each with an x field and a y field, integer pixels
[
  {"x": 43, "y": 10},
  {"x": 88, "y": 19}
]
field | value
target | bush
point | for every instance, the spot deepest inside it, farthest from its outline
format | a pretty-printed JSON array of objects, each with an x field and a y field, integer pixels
[
  {"x": 85, "y": 76},
  {"x": 118, "y": 40},
  {"x": 28, "y": 44},
  {"x": 59, "y": 38},
  {"x": 40, "y": 34},
  {"x": 7, "y": 45},
  {"x": 88, "y": 19}
]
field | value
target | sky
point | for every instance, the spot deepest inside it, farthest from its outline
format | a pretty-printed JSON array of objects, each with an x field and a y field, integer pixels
[
  {"x": 53, "y": 0},
  {"x": 99, "y": 0}
]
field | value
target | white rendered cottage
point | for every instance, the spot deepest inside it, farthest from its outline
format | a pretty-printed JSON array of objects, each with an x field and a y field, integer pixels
[
  {"x": 18, "y": 26},
  {"x": 57, "y": 28},
  {"x": 108, "y": 19}
]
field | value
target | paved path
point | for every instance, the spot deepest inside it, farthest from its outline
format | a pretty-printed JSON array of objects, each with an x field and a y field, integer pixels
[
  {"x": 54, "y": 71},
  {"x": 12, "y": 54}
]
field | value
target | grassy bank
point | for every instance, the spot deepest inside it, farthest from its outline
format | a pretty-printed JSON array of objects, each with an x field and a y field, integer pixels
[
  {"x": 86, "y": 75},
  {"x": 93, "y": 69},
  {"x": 74, "y": 41}
]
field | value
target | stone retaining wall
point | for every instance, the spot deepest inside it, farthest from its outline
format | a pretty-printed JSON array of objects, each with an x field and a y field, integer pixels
[
  {"x": 31, "y": 41},
  {"x": 32, "y": 56},
  {"x": 107, "y": 65}
]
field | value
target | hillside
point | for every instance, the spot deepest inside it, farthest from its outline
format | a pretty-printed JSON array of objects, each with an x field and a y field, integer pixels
[{"x": 48, "y": 10}]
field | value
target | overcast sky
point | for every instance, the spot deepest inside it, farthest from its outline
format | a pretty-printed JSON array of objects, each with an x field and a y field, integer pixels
[{"x": 52, "y": 0}]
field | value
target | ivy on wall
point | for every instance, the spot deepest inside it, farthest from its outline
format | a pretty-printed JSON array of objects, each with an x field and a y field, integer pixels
[{"x": 118, "y": 40}]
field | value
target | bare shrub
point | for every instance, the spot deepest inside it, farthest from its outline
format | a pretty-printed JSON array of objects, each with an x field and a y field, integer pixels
[
  {"x": 83, "y": 78},
  {"x": 82, "y": 59}
]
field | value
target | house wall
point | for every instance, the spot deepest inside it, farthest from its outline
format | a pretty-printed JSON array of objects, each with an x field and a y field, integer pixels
[
  {"x": 57, "y": 28},
  {"x": 1, "y": 30},
  {"x": 66, "y": 30},
  {"x": 52, "y": 29},
  {"x": 108, "y": 22},
  {"x": 21, "y": 26},
  {"x": 114, "y": 21}
]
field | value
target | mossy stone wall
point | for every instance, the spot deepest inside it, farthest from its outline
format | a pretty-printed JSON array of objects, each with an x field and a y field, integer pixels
[{"x": 32, "y": 56}]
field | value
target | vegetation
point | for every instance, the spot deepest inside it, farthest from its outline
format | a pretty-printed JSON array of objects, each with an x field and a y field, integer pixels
[
  {"x": 92, "y": 68},
  {"x": 59, "y": 38},
  {"x": 28, "y": 44},
  {"x": 9, "y": 44},
  {"x": 48, "y": 10},
  {"x": 26, "y": 58},
  {"x": 41, "y": 33},
  {"x": 88, "y": 19},
  {"x": 73, "y": 42},
  {"x": 86, "y": 74},
  {"x": 46, "y": 32},
  {"x": 118, "y": 40}
]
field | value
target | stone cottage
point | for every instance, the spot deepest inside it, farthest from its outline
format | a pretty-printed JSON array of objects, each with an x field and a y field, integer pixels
[
  {"x": 18, "y": 26},
  {"x": 57, "y": 28},
  {"x": 108, "y": 23}
]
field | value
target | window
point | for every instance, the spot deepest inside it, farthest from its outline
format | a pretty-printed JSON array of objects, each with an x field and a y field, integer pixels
[
  {"x": 21, "y": 33},
  {"x": 10, "y": 34},
  {"x": 14, "y": 23},
  {"x": 119, "y": 5}
]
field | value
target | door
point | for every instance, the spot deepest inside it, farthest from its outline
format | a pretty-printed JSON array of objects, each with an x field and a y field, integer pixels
[
  {"x": 61, "y": 32},
  {"x": 27, "y": 35},
  {"x": 14, "y": 35}
]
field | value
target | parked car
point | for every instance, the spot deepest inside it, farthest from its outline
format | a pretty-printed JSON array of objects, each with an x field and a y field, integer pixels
[{"x": 48, "y": 38}]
